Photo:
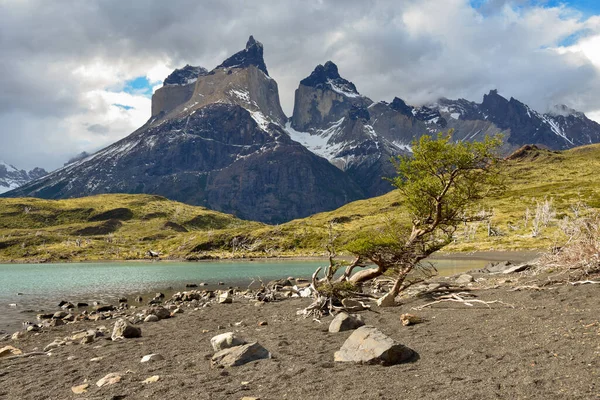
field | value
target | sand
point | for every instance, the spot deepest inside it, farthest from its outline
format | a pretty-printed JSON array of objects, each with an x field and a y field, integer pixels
[{"x": 546, "y": 347}]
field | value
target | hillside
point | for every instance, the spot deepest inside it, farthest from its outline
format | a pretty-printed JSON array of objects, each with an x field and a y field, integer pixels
[{"x": 127, "y": 226}]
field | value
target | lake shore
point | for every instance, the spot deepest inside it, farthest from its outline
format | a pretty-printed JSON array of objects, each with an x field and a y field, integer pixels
[{"x": 536, "y": 344}]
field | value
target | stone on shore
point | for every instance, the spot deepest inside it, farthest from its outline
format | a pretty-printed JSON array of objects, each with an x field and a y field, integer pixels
[
  {"x": 160, "y": 312},
  {"x": 151, "y": 379},
  {"x": 345, "y": 322},
  {"x": 124, "y": 330},
  {"x": 464, "y": 279},
  {"x": 56, "y": 343},
  {"x": 151, "y": 318},
  {"x": 152, "y": 357},
  {"x": 8, "y": 351},
  {"x": 410, "y": 319},
  {"x": 240, "y": 355},
  {"x": 225, "y": 298},
  {"x": 109, "y": 379},
  {"x": 225, "y": 341},
  {"x": 368, "y": 345},
  {"x": 80, "y": 389}
]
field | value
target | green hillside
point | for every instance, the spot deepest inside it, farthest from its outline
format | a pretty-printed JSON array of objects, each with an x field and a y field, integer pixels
[{"x": 127, "y": 226}]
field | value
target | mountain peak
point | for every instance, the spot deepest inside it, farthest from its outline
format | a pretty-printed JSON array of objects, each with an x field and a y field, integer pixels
[
  {"x": 251, "y": 55},
  {"x": 328, "y": 77},
  {"x": 565, "y": 111},
  {"x": 400, "y": 105},
  {"x": 185, "y": 75}
]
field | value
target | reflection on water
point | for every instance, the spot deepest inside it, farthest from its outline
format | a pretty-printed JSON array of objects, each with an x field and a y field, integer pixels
[{"x": 41, "y": 286}]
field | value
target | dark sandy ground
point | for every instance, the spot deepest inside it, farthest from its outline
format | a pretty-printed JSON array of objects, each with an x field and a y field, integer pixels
[{"x": 546, "y": 347}]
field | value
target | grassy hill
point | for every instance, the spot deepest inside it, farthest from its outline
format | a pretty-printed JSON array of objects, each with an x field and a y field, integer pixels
[{"x": 561, "y": 184}]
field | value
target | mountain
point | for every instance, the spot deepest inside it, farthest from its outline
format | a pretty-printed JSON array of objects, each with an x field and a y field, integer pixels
[
  {"x": 12, "y": 177},
  {"x": 332, "y": 119},
  {"x": 215, "y": 139}
]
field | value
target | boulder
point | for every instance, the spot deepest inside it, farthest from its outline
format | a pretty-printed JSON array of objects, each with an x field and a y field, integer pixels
[
  {"x": 56, "y": 322},
  {"x": 80, "y": 389},
  {"x": 368, "y": 345},
  {"x": 82, "y": 304},
  {"x": 387, "y": 300},
  {"x": 160, "y": 312},
  {"x": 151, "y": 318},
  {"x": 410, "y": 319},
  {"x": 464, "y": 279},
  {"x": 8, "y": 351},
  {"x": 240, "y": 355},
  {"x": 67, "y": 306},
  {"x": 225, "y": 341},
  {"x": 225, "y": 298},
  {"x": 60, "y": 314},
  {"x": 152, "y": 357},
  {"x": 109, "y": 379},
  {"x": 345, "y": 322},
  {"x": 124, "y": 330},
  {"x": 105, "y": 308}
]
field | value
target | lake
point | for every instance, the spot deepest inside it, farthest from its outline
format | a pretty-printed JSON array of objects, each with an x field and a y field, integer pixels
[{"x": 42, "y": 286}]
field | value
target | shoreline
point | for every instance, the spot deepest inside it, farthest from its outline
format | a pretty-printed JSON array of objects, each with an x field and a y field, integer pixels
[{"x": 490, "y": 255}]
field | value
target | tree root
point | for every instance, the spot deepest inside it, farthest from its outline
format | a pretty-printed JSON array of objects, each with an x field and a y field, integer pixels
[{"x": 460, "y": 298}]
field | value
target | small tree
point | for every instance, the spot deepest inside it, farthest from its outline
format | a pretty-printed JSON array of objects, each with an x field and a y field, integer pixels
[{"x": 440, "y": 181}]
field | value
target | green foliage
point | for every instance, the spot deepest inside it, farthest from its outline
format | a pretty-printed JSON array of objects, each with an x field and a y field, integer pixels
[{"x": 443, "y": 178}]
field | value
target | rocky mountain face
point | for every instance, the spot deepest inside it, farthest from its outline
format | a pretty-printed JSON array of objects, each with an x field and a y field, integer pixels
[
  {"x": 12, "y": 177},
  {"x": 216, "y": 141},
  {"x": 335, "y": 121}
]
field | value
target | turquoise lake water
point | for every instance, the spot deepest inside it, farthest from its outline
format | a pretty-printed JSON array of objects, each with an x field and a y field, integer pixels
[{"x": 26, "y": 289}]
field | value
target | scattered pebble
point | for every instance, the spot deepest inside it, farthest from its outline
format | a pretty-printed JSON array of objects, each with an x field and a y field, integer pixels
[
  {"x": 152, "y": 357},
  {"x": 151, "y": 379},
  {"x": 79, "y": 389},
  {"x": 109, "y": 379}
]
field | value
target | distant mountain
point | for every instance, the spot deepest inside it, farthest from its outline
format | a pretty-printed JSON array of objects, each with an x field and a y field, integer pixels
[
  {"x": 215, "y": 140},
  {"x": 12, "y": 177},
  {"x": 335, "y": 121}
]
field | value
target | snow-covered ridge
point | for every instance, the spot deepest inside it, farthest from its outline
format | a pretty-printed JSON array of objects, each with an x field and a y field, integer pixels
[{"x": 342, "y": 89}]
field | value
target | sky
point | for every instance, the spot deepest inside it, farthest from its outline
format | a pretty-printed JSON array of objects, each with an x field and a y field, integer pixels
[{"x": 78, "y": 75}]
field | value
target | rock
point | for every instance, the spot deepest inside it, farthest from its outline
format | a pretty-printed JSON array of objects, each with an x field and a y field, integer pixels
[
  {"x": 60, "y": 314},
  {"x": 151, "y": 318},
  {"x": 464, "y": 279},
  {"x": 262, "y": 323},
  {"x": 367, "y": 345},
  {"x": 152, "y": 357},
  {"x": 123, "y": 300},
  {"x": 8, "y": 351},
  {"x": 62, "y": 303},
  {"x": 89, "y": 338},
  {"x": 240, "y": 355},
  {"x": 56, "y": 322},
  {"x": 159, "y": 295},
  {"x": 345, "y": 322},
  {"x": 225, "y": 341},
  {"x": 516, "y": 268},
  {"x": 203, "y": 284},
  {"x": 81, "y": 304},
  {"x": 105, "y": 308},
  {"x": 109, "y": 379},
  {"x": 80, "y": 389},
  {"x": 160, "y": 312},
  {"x": 95, "y": 359},
  {"x": 250, "y": 398},
  {"x": 44, "y": 316},
  {"x": 56, "y": 343},
  {"x": 496, "y": 267},
  {"x": 190, "y": 285},
  {"x": 67, "y": 306},
  {"x": 18, "y": 335},
  {"x": 410, "y": 319},
  {"x": 353, "y": 305},
  {"x": 387, "y": 300},
  {"x": 69, "y": 318},
  {"x": 151, "y": 379},
  {"x": 139, "y": 299},
  {"x": 177, "y": 311},
  {"x": 225, "y": 298},
  {"x": 33, "y": 328},
  {"x": 124, "y": 330}
]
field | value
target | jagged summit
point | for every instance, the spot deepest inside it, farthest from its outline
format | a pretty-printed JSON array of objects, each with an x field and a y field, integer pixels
[
  {"x": 565, "y": 111},
  {"x": 184, "y": 76},
  {"x": 399, "y": 105},
  {"x": 328, "y": 77},
  {"x": 251, "y": 55}
]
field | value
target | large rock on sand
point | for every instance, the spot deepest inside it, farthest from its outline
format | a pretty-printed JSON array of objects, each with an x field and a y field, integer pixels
[
  {"x": 225, "y": 341},
  {"x": 345, "y": 322},
  {"x": 367, "y": 345},
  {"x": 124, "y": 330},
  {"x": 240, "y": 355}
]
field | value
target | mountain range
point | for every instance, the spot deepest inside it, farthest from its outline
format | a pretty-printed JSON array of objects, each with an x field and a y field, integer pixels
[
  {"x": 220, "y": 139},
  {"x": 11, "y": 177}
]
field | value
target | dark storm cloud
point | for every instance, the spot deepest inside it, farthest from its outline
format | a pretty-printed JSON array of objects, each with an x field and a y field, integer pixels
[{"x": 55, "y": 56}]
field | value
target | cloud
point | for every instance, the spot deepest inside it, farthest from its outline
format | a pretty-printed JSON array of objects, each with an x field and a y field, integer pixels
[{"x": 77, "y": 75}]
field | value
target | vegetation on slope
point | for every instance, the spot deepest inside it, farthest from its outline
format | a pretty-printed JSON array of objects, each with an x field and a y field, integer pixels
[{"x": 544, "y": 189}]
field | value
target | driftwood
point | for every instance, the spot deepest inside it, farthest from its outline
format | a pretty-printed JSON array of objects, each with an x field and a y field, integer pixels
[
  {"x": 460, "y": 298},
  {"x": 26, "y": 355}
]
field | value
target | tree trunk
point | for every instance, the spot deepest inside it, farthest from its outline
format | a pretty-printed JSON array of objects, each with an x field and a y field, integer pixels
[{"x": 366, "y": 275}]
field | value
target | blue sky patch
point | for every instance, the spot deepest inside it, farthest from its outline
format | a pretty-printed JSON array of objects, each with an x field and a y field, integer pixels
[
  {"x": 123, "y": 106},
  {"x": 138, "y": 86},
  {"x": 586, "y": 7}
]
